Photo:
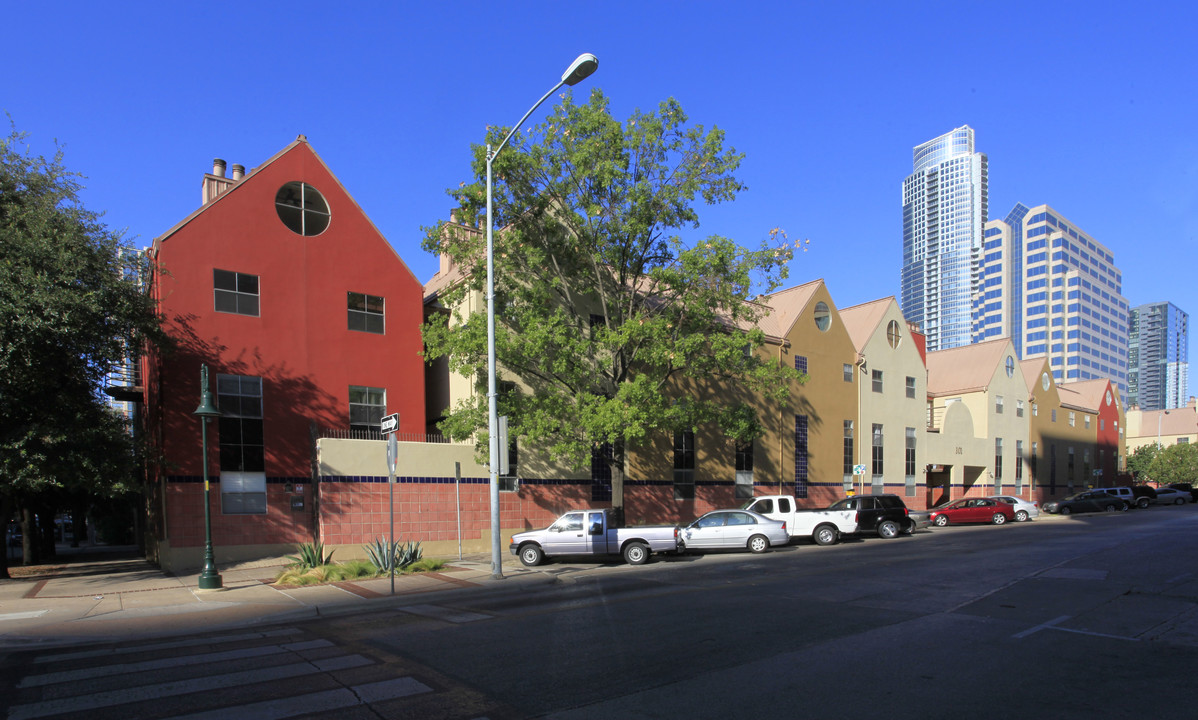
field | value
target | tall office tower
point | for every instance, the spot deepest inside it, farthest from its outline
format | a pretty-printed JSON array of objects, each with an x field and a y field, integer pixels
[
  {"x": 1158, "y": 357},
  {"x": 944, "y": 209},
  {"x": 1056, "y": 292}
]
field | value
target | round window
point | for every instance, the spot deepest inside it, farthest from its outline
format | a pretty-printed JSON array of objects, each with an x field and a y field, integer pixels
[
  {"x": 823, "y": 316},
  {"x": 893, "y": 334},
  {"x": 1108, "y": 397},
  {"x": 302, "y": 208},
  {"x": 1044, "y": 381}
]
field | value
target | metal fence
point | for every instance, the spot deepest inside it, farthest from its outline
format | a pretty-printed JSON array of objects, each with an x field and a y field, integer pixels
[{"x": 352, "y": 434}]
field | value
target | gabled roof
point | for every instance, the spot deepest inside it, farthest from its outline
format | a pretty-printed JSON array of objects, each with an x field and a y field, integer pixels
[
  {"x": 252, "y": 174},
  {"x": 1175, "y": 421},
  {"x": 862, "y": 321},
  {"x": 785, "y": 306},
  {"x": 1031, "y": 370},
  {"x": 964, "y": 369},
  {"x": 1086, "y": 395}
]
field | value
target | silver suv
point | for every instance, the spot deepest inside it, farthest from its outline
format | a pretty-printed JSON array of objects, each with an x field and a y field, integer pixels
[{"x": 1128, "y": 496}]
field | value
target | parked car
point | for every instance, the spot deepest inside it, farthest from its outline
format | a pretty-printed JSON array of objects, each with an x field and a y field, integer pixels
[
  {"x": 1138, "y": 495},
  {"x": 973, "y": 510},
  {"x": 1187, "y": 487},
  {"x": 734, "y": 530},
  {"x": 1086, "y": 501},
  {"x": 1024, "y": 509},
  {"x": 1171, "y": 496},
  {"x": 589, "y": 532},
  {"x": 824, "y": 527},
  {"x": 884, "y": 514}
]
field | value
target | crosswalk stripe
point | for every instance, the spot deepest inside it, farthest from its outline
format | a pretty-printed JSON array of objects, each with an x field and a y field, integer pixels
[
  {"x": 130, "y": 649},
  {"x": 318, "y": 702},
  {"x": 162, "y": 663},
  {"x": 83, "y": 703}
]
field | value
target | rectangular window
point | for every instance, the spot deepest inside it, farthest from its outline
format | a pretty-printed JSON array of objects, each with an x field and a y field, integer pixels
[
  {"x": 601, "y": 321},
  {"x": 1072, "y": 419},
  {"x": 877, "y": 454},
  {"x": 1086, "y": 421},
  {"x": 367, "y": 406},
  {"x": 1101, "y": 424},
  {"x": 1070, "y": 469},
  {"x": 1018, "y": 408},
  {"x": 800, "y": 456},
  {"x": 877, "y": 378},
  {"x": 684, "y": 465},
  {"x": 998, "y": 404},
  {"x": 744, "y": 470},
  {"x": 601, "y": 458},
  {"x": 997, "y": 464},
  {"x": 848, "y": 373},
  {"x": 365, "y": 313},
  {"x": 1052, "y": 468},
  {"x": 801, "y": 363},
  {"x": 242, "y": 449},
  {"x": 1018, "y": 467},
  {"x": 910, "y": 387},
  {"x": 1054, "y": 414},
  {"x": 1033, "y": 464},
  {"x": 235, "y": 292},
  {"x": 849, "y": 458},
  {"x": 909, "y": 463}
]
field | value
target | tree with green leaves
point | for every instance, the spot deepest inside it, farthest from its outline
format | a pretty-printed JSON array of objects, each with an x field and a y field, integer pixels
[
  {"x": 606, "y": 317},
  {"x": 1140, "y": 459},
  {"x": 70, "y": 309},
  {"x": 1175, "y": 464}
]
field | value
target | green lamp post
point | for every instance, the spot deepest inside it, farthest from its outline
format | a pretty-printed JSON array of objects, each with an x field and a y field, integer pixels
[{"x": 209, "y": 577}]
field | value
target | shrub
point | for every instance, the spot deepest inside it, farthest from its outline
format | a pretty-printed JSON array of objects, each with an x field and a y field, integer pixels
[
  {"x": 381, "y": 552},
  {"x": 310, "y": 555}
]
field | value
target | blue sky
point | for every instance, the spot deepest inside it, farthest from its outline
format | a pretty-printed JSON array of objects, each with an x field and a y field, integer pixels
[{"x": 1090, "y": 107}]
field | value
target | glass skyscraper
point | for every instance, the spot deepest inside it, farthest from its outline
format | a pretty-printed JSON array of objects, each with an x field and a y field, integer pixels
[
  {"x": 1056, "y": 293},
  {"x": 944, "y": 210},
  {"x": 1158, "y": 357}
]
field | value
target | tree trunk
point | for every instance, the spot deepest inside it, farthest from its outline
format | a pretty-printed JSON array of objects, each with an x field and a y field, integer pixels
[
  {"x": 30, "y": 546},
  {"x": 617, "y": 483},
  {"x": 6, "y": 508},
  {"x": 48, "y": 531}
]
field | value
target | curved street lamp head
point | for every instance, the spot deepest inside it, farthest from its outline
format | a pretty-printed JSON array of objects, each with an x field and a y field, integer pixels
[{"x": 580, "y": 69}]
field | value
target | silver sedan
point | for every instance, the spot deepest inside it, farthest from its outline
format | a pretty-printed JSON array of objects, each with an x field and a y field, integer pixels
[
  {"x": 734, "y": 530},
  {"x": 1024, "y": 509},
  {"x": 1170, "y": 496}
]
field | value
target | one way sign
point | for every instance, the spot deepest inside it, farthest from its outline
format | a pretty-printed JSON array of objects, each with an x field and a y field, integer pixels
[{"x": 389, "y": 424}]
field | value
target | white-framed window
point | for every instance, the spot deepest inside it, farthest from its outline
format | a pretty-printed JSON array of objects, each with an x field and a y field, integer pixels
[
  {"x": 910, "y": 387},
  {"x": 998, "y": 402},
  {"x": 1018, "y": 408},
  {"x": 684, "y": 465},
  {"x": 242, "y": 493},
  {"x": 367, "y": 406},
  {"x": 242, "y": 445},
  {"x": 235, "y": 292},
  {"x": 365, "y": 312},
  {"x": 744, "y": 470},
  {"x": 877, "y": 381}
]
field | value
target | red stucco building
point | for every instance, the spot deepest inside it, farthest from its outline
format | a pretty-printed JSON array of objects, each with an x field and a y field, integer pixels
[{"x": 307, "y": 319}]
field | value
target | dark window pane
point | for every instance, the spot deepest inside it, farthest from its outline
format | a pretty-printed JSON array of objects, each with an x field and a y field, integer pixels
[
  {"x": 247, "y": 283},
  {"x": 226, "y": 301},
  {"x": 224, "y": 280},
  {"x": 253, "y": 458},
  {"x": 230, "y": 457}
]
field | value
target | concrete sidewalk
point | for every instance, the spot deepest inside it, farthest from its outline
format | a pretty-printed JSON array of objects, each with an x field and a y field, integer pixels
[{"x": 125, "y": 598}]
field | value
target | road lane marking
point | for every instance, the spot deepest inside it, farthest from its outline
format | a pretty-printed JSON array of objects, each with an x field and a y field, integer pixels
[
  {"x": 172, "y": 645},
  {"x": 23, "y": 615},
  {"x": 1041, "y": 626}
]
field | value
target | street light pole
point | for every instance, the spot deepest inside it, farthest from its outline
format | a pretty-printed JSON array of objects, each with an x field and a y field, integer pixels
[
  {"x": 579, "y": 70},
  {"x": 1158, "y": 427},
  {"x": 209, "y": 578}
]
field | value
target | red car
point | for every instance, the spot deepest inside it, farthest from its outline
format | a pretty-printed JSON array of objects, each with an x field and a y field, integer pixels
[{"x": 973, "y": 510}]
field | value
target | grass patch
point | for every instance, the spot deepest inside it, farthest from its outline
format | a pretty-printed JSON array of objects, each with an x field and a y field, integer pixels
[{"x": 350, "y": 570}]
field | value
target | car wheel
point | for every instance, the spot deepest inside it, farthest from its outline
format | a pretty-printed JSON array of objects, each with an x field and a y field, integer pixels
[
  {"x": 1179, "y": 501},
  {"x": 910, "y": 529},
  {"x": 1066, "y": 510},
  {"x": 888, "y": 529},
  {"x": 824, "y": 535},
  {"x": 1021, "y": 516},
  {"x": 531, "y": 555},
  {"x": 1110, "y": 508},
  {"x": 759, "y": 543},
  {"x": 1142, "y": 503},
  {"x": 998, "y": 519},
  {"x": 941, "y": 520},
  {"x": 636, "y": 553}
]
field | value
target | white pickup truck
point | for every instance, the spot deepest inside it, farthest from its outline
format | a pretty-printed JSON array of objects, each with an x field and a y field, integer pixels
[
  {"x": 589, "y": 532},
  {"x": 824, "y": 527}
]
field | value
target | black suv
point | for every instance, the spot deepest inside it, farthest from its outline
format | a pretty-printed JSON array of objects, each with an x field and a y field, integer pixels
[{"x": 884, "y": 514}]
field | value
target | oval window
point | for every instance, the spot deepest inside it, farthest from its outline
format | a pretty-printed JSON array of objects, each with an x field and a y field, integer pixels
[
  {"x": 1044, "y": 381},
  {"x": 823, "y": 316},
  {"x": 1011, "y": 366},
  {"x": 302, "y": 209},
  {"x": 893, "y": 334}
]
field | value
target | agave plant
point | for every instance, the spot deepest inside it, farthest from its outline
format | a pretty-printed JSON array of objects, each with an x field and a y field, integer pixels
[
  {"x": 310, "y": 555},
  {"x": 386, "y": 555}
]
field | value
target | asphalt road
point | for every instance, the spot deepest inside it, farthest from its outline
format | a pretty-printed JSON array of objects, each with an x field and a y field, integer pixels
[{"x": 1088, "y": 617}]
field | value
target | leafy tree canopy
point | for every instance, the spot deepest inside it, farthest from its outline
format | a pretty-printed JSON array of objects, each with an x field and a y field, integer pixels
[
  {"x": 612, "y": 321},
  {"x": 1175, "y": 464},
  {"x": 70, "y": 308},
  {"x": 1140, "y": 459}
]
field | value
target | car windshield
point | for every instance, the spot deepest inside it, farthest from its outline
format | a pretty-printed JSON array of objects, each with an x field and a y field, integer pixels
[{"x": 844, "y": 504}]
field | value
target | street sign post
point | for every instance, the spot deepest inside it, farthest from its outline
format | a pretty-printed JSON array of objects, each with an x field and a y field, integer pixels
[{"x": 389, "y": 424}]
